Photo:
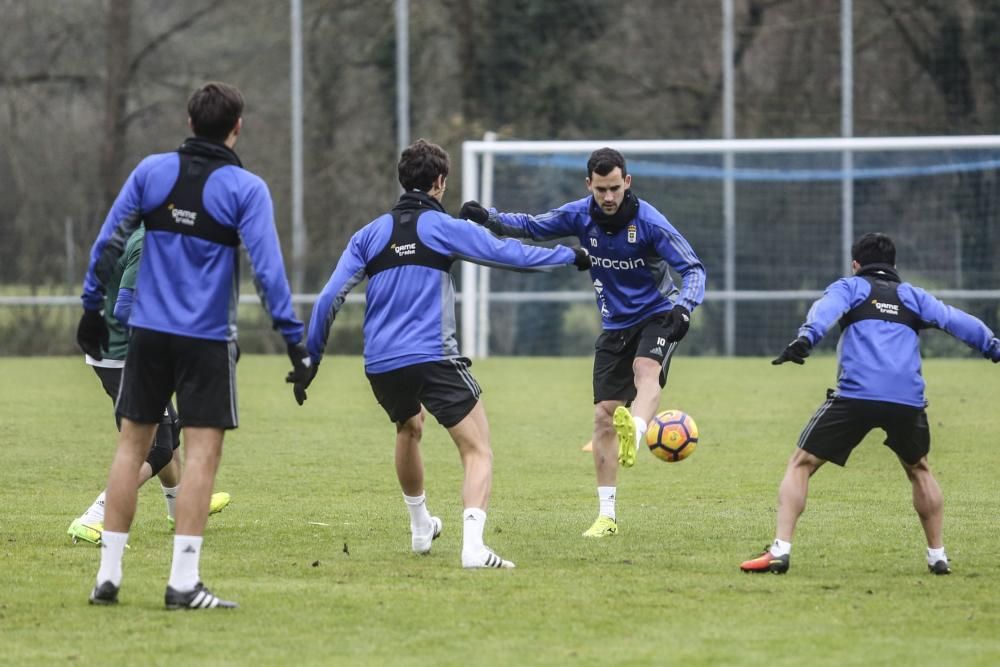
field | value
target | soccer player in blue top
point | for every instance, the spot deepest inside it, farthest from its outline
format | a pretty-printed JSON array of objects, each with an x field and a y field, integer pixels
[
  {"x": 879, "y": 385},
  {"x": 198, "y": 204},
  {"x": 411, "y": 357},
  {"x": 644, "y": 315}
]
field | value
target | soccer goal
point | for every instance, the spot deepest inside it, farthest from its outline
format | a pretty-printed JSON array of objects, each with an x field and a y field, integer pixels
[{"x": 772, "y": 219}]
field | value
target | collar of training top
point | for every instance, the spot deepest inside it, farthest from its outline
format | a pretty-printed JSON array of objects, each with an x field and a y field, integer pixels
[
  {"x": 624, "y": 215},
  {"x": 415, "y": 199},
  {"x": 210, "y": 149},
  {"x": 879, "y": 271}
]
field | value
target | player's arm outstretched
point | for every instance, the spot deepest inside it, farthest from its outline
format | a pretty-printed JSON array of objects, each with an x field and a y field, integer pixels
[
  {"x": 555, "y": 224},
  {"x": 839, "y": 298},
  {"x": 965, "y": 327},
  {"x": 459, "y": 239}
]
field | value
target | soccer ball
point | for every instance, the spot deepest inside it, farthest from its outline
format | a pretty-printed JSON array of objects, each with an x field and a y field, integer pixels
[{"x": 672, "y": 436}]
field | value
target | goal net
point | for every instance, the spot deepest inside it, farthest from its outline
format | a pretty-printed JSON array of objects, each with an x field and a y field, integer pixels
[{"x": 772, "y": 220}]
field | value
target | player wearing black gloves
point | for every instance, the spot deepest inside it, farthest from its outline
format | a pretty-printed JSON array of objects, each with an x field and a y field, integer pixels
[
  {"x": 411, "y": 356},
  {"x": 644, "y": 314},
  {"x": 879, "y": 386},
  {"x": 183, "y": 340}
]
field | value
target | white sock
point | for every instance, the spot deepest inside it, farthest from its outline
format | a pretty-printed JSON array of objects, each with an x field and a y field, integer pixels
[
  {"x": 473, "y": 523},
  {"x": 184, "y": 570},
  {"x": 170, "y": 495},
  {"x": 95, "y": 513},
  {"x": 606, "y": 497},
  {"x": 640, "y": 430},
  {"x": 420, "y": 518},
  {"x": 934, "y": 555},
  {"x": 112, "y": 548},
  {"x": 781, "y": 548}
]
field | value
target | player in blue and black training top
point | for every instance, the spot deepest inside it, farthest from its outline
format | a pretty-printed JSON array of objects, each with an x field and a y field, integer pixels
[
  {"x": 632, "y": 247},
  {"x": 411, "y": 357},
  {"x": 879, "y": 385},
  {"x": 197, "y": 204}
]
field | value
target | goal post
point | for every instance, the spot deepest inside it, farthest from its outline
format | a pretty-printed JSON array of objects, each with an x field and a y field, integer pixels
[{"x": 783, "y": 183}]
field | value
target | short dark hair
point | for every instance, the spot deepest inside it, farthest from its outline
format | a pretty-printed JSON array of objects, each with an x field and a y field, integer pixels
[
  {"x": 604, "y": 160},
  {"x": 874, "y": 248},
  {"x": 420, "y": 165},
  {"x": 214, "y": 109}
]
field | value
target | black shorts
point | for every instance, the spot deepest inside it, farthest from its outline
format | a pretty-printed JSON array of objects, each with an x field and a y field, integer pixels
[
  {"x": 167, "y": 435},
  {"x": 202, "y": 374},
  {"x": 616, "y": 349},
  {"x": 446, "y": 388},
  {"x": 840, "y": 424}
]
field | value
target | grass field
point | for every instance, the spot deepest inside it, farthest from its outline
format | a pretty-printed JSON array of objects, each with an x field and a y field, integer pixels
[{"x": 315, "y": 546}]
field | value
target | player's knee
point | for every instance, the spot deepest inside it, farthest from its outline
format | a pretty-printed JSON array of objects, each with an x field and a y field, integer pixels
[
  {"x": 646, "y": 370},
  {"x": 159, "y": 457},
  {"x": 412, "y": 428},
  {"x": 603, "y": 415}
]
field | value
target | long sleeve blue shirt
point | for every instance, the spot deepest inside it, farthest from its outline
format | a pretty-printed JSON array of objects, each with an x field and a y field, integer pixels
[
  {"x": 879, "y": 360},
  {"x": 188, "y": 285},
  {"x": 410, "y": 310}
]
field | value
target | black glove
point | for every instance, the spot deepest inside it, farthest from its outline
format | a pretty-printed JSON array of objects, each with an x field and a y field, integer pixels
[
  {"x": 303, "y": 371},
  {"x": 473, "y": 210},
  {"x": 92, "y": 334},
  {"x": 678, "y": 321},
  {"x": 796, "y": 352},
  {"x": 582, "y": 259}
]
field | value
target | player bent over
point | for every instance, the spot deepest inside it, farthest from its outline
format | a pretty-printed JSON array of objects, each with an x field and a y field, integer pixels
[
  {"x": 644, "y": 316},
  {"x": 879, "y": 385},
  {"x": 411, "y": 357}
]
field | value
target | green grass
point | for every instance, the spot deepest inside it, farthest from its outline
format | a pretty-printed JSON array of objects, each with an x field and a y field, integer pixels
[{"x": 667, "y": 589}]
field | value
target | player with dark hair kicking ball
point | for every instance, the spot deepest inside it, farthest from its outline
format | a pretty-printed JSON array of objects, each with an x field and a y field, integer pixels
[
  {"x": 198, "y": 205},
  {"x": 411, "y": 356},
  {"x": 879, "y": 385},
  {"x": 644, "y": 316}
]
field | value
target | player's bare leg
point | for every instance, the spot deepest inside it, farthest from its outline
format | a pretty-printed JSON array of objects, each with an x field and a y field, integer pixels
[
  {"x": 605, "y": 452},
  {"x": 122, "y": 492},
  {"x": 793, "y": 491},
  {"x": 631, "y": 423},
  {"x": 472, "y": 437},
  {"x": 929, "y": 504},
  {"x": 647, "y": 385},
  {"x": 409, "y": 464},
  {"x": 202, "y": 454},
  {"x": 791, "y": 503},
  {"x": 424, "y": 528}
]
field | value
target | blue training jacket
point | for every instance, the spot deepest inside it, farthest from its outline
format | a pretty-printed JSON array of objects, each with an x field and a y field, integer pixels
[
  {"x": 879, "y": 359},
  {"x": 410, "y": 309},
  {"x": 189, "y": 285},
  {"x": 630, "y": 265}
]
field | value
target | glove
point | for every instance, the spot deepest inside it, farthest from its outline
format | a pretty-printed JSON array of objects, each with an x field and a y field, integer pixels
[
  {"x": 678, "y": 321},
  {"x": 993, "y": 353},
  {"x": 92, "y": 334},
  {"x": 796, "y": 352},
  {"x": 303, "y": 371},
  {"x": 473, "y": 210},
  {"x": 582, "y": 259}
]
